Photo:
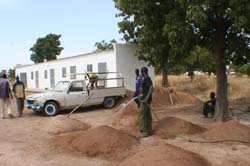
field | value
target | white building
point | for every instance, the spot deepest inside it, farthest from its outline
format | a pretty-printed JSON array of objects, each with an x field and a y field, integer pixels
[{"x": 121, "y": 59}]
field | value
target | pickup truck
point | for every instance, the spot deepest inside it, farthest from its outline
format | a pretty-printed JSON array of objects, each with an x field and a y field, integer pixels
[{"x": 70, "y": 94}]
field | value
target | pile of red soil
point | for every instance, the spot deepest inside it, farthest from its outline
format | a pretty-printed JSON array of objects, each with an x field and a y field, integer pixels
[
  {"x": 161, "y": 97},
  {"x": 126, "y": 117},
  {"x": 62, "y": 124},
  {"x": 171, "y": 125},
  {"x": 228, "y": 130},
  {"x": 165, "y": 155},
  {"x": 104, "y": 141}
]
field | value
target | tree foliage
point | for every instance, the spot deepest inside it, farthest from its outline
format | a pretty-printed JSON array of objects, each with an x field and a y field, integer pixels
[
  {"x": 166, "y": 32},
  {"x": 46, "y": 48},
  {"x": 11, "y": 73},
  {"x": 103, "y": 45},
  {"x": 222, "y": 27},
  {"x": 158, "y": 28}
]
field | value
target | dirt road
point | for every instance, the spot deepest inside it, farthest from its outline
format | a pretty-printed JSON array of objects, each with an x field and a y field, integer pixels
[{"x": 25, "y": 141}]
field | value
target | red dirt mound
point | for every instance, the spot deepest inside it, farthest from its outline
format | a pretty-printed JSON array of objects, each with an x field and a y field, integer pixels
[
  {"x": 105, "y": 141},
  {"x": 126, "y": 117},
  {"x": 176, "y": 125},
  {"x": 62, "y": 124},
  {"x": 165, "y": 155},
  {"x": 228, "y": 130},
  {"x": 161, "y": 97}
]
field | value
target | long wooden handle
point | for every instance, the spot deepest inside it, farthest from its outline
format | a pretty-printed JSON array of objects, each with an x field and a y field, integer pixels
[{"x": 84, "y": 101}]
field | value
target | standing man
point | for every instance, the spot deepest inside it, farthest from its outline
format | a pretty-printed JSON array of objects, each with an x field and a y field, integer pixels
[
  {"x": 5, "y": 96},
  {"x": 138, "y": 82},
  {"x": 19, "y": 93},
  {"x": 145, "y": 118}
]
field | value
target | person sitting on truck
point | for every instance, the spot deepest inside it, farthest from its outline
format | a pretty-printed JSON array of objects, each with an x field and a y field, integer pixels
[
  {"x": 209, "y": 106},
  {"x": 93, "y": 79}
]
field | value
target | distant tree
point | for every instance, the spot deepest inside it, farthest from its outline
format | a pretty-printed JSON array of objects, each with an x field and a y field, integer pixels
[
  {"x": 46, "y": 48},
  {"x": 103, "y": 45},
  {"x": 200, "y": 59},
  {"x": 11, "y": 73},
  {"x": 245, "y": 69}
]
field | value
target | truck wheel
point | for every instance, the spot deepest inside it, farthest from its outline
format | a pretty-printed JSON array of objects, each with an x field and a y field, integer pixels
[
  {"x": 50, "y": 108},
  {"x": 109, "y": 102}
]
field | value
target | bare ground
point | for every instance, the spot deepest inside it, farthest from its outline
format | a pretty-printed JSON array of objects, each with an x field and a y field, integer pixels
[{"x": 25, "y": 141}]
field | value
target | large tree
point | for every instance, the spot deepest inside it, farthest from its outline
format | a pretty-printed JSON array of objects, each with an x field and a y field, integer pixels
[
  {"x": 156, "y": 27},
  {"x": 46, "y": 48},
  {"x": 163, "y": 29},
  {"x": 223, "y": 27}
]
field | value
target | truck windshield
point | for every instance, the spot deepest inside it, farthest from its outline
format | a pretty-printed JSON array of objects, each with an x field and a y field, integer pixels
[{"x": 61, "y": 86}]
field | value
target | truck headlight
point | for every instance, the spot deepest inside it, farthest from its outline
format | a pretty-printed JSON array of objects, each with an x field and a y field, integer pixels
[{"x": 36, "y": 102}]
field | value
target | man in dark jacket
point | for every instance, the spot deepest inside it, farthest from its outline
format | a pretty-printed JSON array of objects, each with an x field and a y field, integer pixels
[
  {"x": 209, "y": 106},
  {"x": 145, "y": 117},
  {"x": 19, "y": 93}
]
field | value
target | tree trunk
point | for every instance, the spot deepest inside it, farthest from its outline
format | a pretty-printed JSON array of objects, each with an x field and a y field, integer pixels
[
  {"x": 165, "y": 76},
  {"x": 221, "y": 113}
]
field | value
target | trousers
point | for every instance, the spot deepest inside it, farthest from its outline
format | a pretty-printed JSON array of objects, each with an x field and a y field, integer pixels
[
  {"x": 7, "y": 102},
  {"x": 145, "y": 119},
  {"x": 20, "y": 104}
]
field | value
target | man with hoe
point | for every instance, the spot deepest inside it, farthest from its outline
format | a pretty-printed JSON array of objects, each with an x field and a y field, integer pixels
[{"x": 145, "y": 117}]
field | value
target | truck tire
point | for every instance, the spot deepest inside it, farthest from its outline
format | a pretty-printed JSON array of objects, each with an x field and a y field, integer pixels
[
  {"x": 51, "y": 108},
  {"x": 109, "y": 102}
]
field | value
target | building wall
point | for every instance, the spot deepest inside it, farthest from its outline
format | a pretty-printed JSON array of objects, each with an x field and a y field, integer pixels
[
  {"x": 127, "y": 63},
  {"x": 80, "y": 62},
  {"x": 122, "y": 59}
]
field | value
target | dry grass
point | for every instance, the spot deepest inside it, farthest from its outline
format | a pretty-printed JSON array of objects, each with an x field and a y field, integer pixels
[{"x": 201, "y": 86}]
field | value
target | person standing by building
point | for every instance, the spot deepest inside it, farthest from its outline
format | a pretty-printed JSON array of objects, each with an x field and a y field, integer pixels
[
  {"x": 19, "y": 93},
  {"x": 138, "y": 82},
  {"x": 5, "y": 96},
  {"x": 145, "y": 117}
]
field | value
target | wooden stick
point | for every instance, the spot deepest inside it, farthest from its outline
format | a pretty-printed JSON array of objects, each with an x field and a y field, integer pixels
[
  {"x": 172, "y": 103},
  {"x": 84, "y": 101}
]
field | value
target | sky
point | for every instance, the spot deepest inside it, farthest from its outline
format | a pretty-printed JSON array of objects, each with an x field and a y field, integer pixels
[{"x": 80, "y": 22}]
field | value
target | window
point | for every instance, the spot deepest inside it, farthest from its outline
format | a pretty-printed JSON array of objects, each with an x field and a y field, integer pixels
[
  {"x": 64, "y": 72},
  {"x": 45, "y": 74},
  {"x": 72, "y": 72},
  {"x": 90, "y": 68},
  {"x": 76, "y": 86},
  {"x": 32, "y": 75}
]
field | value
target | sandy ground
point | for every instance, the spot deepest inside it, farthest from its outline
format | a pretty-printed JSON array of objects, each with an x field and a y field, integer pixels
[{"x": 24, "y": 141}]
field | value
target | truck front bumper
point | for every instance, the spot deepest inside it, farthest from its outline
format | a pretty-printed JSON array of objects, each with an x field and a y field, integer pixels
[{"x": 34, "y": 107}]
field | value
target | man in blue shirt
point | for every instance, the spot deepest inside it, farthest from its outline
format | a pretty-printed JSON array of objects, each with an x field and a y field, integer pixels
[
  {"x": 138, "y": 82},
  {"x": 5, "y": 96}
]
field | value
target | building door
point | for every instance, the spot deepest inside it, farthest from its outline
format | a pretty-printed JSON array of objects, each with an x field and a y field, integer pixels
[
  {"x": 23, "y": 78},
  {"x": 52, "y": 78},
  {"x": 37, "y": 79},
  {"x": 102, "y": 67}
]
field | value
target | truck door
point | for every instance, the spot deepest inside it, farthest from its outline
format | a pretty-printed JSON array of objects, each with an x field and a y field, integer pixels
[{"x": 76, "y": 94}]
